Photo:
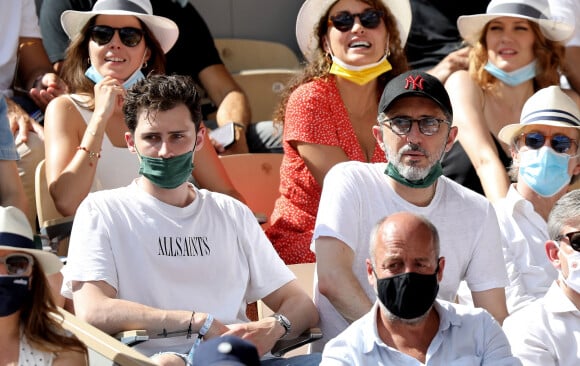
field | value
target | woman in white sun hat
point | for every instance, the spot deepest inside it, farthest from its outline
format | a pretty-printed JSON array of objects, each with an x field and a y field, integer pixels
[
  {"x": 546, "y": 160},
  {"x": 353, "y": 48},
  {"x": 29, "y": 335},
  {"x": 113, "y": 45},
  {"x": 517, "y": 50}
]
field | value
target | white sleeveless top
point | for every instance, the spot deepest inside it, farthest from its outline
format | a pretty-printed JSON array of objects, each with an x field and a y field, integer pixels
[
  {"x": 28, "y": 356},
  {"x": 117, "y": 166}
]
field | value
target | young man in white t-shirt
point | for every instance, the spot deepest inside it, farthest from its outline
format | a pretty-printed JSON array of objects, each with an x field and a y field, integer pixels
[
  {"x": 415, "y": 130},
  {"x": 164, "y": 256}
]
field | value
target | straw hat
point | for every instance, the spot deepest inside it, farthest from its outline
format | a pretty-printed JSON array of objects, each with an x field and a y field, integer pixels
[
  {"x": 537, "y": 11},
  {"x": 312, "y": 10},
  {"x": 16, "y": 234},
  {"x": 550, "y": 107},
  {"x": 164, "y": 29}
]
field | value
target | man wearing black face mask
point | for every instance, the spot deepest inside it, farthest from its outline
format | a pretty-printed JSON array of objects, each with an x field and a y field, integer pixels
[{"x": 406, "y": 323}]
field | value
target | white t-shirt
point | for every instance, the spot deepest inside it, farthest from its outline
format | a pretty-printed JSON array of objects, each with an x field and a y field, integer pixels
[
  {"x": 357, "y": 195},
  {"x": 211, "y": 256},
  {"x": 17, "y": 19}
]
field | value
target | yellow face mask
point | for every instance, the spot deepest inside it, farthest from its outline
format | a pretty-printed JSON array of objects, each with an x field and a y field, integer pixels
[{"x": 360, "y": 75}]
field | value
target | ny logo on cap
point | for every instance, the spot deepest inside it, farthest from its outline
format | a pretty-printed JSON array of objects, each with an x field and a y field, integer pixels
[{"x": 414, "y": 82}]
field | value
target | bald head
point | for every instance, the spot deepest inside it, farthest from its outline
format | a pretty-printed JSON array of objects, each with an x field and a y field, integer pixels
[{"x": 404, "y": 231}]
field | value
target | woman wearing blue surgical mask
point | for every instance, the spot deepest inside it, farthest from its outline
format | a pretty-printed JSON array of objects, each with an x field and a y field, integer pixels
[
  {"x": 29, "y": 333},
  {"x": 353, "y": 48},
  {"x": 111, "y": 49},
  {"x": 517, "y": 50}
]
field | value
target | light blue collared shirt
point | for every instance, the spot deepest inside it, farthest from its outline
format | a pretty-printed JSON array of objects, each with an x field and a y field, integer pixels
[
  {"x": 466, "y": 336},
  {"x": 7, "y": 147}
]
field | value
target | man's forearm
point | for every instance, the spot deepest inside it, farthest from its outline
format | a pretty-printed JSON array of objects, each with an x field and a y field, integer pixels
[{"x": 347, "y": 296}]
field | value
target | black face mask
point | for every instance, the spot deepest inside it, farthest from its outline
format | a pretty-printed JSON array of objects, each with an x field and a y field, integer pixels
[
  {"x": 14, "y": 292},
  {"x": 408, "y": 295}
]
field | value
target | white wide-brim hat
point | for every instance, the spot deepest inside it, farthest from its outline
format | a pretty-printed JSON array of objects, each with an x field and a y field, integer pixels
[
  {"x": 16, "y": 235},
  {"x": 312, "y": 10},
  {"x": 537, "y": 11},
  {"x": 549, "y": 107},
  {"x": 165, "y": 30}
]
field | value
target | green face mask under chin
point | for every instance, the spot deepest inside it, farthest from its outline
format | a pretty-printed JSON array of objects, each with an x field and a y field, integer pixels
[
  {"x": 167, "y": 173},
  {"x": 435, "y": 172}
]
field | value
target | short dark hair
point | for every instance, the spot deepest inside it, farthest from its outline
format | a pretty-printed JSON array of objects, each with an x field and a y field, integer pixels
[{"x": 161, "y": 93}]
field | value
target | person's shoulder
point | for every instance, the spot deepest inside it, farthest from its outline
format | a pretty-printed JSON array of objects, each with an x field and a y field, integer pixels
[
  {"x": 316, "y": 88},
  {"x": 61, "y": 102},
  {"x": 227, "y": 204},
  {"x": 456, "y": 191},
  {"x": 461, "y": 84},
  {"x": 355, "y": 169},
  {"x": 359, "y": 166},
  {"x": 518, "y": 321},
  {"x": 459, "y": 77},
  {"x": 464, "y": 313},
  {"x": 108, "y": 197}
]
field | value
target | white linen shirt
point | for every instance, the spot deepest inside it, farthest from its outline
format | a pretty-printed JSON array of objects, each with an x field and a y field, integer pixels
[
  {"x": 466, "y": 336},
  {"x": 547, "y": 332},
  {"x": 524, "y": 234}
]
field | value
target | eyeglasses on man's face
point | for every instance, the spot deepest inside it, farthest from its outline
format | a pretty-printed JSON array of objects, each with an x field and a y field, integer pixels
[
  {"x": 344, "y": 21},
  {"x": 561, "y": 144},
  {"x": 402, "y": 125},
  {"x": 573, "y": 239},
  {"x": 17, "y": 264},
  {"x": 102, "y": 34}
]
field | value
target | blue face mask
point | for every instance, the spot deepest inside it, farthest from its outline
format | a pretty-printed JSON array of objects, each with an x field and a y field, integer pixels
[
  {"x": 544, "y": 170},
  {"x": 515, "y": 77},
  {"x": 14, "y": 292},
  {"x": 94, "y": 75}
]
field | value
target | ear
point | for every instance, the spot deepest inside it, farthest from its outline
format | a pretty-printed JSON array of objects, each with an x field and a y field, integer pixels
[
  {"x": 130, "y": 142},
  {"x": 552, "y": 251},
  {"x": 147, "y": 55},
  {"x": 576, "y": 169},
  {"x": 326, "y": 45},
  {"x": 451, "y": 138},
  {"x": 378, "y": 134},
  {"x": 514, "y": 153},
  {"x": 201, "y": 137},
  {"x": 370, "y": 273},
  {"x": 441, "y": 268}
]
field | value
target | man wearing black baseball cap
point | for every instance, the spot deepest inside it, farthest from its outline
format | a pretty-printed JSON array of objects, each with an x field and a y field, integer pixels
[{"x": 415, "y": 130}]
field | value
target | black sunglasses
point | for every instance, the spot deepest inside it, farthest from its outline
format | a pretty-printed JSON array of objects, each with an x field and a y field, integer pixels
[
  {"x": 402, "y": 125},
  {"x": 560, "y": 143},
  {"x": 17, "y": 263},
  {"x": 573, "y": 239},
  {"x": 102, "y": 34},
  {"x": 344, "y": 21}
]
